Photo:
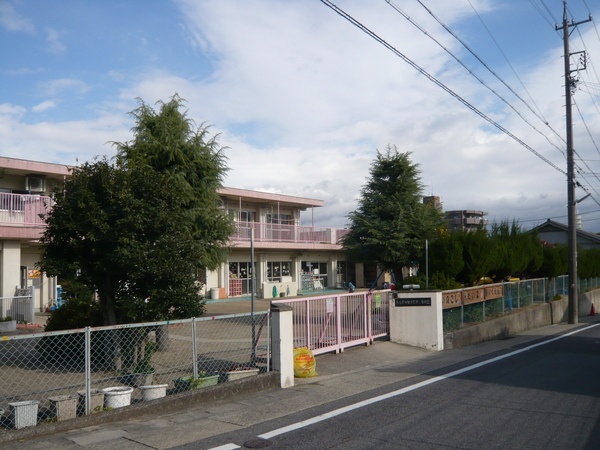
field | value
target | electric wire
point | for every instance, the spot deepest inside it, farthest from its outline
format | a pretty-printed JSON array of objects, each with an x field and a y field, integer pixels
[
  {"x": 430, "y": 77},
  {"x": 422, "y": 30},
  {"x": 540, "y": 116},
  {"x": 549, "y": 11},
  {"x": 539, "y": 10}
]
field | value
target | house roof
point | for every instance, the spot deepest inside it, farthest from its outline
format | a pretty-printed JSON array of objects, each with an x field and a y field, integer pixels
[{"x": 552, "y": 225}]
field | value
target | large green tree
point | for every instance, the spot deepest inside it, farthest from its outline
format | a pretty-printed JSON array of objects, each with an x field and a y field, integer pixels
[
  {"x": 477, "y": 253},
  {"x": 515, "y": 252},
  {"x": 138, "y": 229},
  {"x": 391, "y": 223}
]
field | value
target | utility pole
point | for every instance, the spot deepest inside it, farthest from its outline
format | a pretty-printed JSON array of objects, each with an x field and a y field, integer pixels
[{"x": 570, "y": 83}]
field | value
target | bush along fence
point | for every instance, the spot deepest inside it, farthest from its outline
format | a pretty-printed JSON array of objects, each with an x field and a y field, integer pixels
[
  {"x": 60, "y": 375},
  {"x": 478, "y": 303}
]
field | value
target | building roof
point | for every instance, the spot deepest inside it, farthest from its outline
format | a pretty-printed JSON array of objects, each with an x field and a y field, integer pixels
[
  {"x": 15, "y": 166},
  {"x": 284, "y": 200},
  {"x": 551, "y": 226}
]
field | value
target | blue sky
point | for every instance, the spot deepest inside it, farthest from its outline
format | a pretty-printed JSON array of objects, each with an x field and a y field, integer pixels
[{"x": 303, "y": 99}]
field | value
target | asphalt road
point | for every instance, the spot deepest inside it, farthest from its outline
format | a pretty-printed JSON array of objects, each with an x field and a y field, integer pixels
[{"x": 540, "y": 394}]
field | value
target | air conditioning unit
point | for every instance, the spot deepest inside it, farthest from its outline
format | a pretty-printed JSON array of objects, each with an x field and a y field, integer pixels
[{"x": 35, "y": 183}]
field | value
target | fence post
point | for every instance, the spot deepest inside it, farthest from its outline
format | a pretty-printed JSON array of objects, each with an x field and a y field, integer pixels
[
  {"x": 194, "y": 350},
  {"x": 268, "y": 342},
  {"x": 283, "y": 343},
  {"x": 88, "y": 370}
]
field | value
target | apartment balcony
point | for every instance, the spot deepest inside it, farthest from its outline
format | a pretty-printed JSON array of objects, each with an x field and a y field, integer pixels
[
  {"x": 269, "y": 235},
  {"x": 20, "y": 215},
  {"x": 23, "y": 210}
]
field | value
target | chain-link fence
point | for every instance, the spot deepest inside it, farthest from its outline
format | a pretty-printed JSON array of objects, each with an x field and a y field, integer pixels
[
  {"x": 60, "y": 375},
  {"x": 516, "y": 295}
]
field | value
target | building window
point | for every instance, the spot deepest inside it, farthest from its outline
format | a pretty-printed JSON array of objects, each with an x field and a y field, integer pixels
[
  {"x": 241, "y": 271},
  {"x": 277, "y": 269},
  {"x": 317, "y": 271},
  {"x": 282, "y": 219}
]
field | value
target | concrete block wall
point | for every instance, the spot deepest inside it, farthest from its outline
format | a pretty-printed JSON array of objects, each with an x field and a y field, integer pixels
[{"x": 553, "y": 312}]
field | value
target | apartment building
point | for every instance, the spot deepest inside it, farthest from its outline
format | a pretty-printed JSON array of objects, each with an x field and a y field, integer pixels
[
  {"x": 465, "y": 219},
  {"x": 290, "y": 257},
  {"x": 24, "y": 195}
]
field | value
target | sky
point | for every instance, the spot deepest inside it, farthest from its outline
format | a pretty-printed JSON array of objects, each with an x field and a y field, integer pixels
[{"x": 302, "y": 99}]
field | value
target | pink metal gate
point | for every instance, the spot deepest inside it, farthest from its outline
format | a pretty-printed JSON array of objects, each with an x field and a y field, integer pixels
[{"x": 327, "y": 323}]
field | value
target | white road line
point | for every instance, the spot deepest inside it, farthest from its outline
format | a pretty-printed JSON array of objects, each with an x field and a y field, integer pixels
[{"x": 345, "y": 409}]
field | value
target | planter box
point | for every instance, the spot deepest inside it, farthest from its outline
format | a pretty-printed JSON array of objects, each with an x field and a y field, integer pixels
[
  {"x": 187, "y": 383},
  {"x": 117, "y": 397},
  {"x": 153, "y": 392},
  {"x": 24, "y": 414},
  {"x": 7, "y": 327},
  {"x": 63, "y": 407},
  {"x": 96, "y": 401},
  {"x": 238, "y": 374}
]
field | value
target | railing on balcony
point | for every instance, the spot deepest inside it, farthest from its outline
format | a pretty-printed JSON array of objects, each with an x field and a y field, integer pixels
[
  {"x": 270, "y": 232},
  {"x": 23, "y": 209}
]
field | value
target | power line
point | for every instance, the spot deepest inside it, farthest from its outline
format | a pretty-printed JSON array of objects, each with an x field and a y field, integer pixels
[
  {"x": 540, "y": 116},
  {"x": 422, "y": 30},
  {"x": 377, "y": 38},
  {"x": 539, "y": 10}
]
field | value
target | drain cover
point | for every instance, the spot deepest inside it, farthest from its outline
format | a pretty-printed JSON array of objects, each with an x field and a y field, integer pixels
[{"x": 257, "y": 443}]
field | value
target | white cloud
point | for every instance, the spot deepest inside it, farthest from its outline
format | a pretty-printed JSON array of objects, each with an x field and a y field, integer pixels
[
  {"x": 62, "y": 85},
  {"x": 303, "y": 99},
  {"x": 55, "y": 45},
  {"x": 60, "y": 142},
  {"x": 48, "y": 104},
  {"x": 13, "y": 21}
]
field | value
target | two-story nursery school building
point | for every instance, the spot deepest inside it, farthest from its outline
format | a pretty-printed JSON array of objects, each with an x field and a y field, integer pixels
[{"x": 289, "y": 257}]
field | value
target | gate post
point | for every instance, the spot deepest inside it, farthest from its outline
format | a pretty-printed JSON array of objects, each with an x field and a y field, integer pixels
[
  {"x": 416, "y": 319},
  {"x": 282, "y": 347}
]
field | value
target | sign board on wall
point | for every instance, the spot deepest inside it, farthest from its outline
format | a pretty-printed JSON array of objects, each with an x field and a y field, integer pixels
[{"x": 415, "y": 301}]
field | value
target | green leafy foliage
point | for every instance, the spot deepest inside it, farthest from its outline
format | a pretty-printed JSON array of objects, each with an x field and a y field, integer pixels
[
  {"x": 588, "y": 263},
  {"x": 138, "y": 229},
  {"x": 555, "y": 261},
  {"x": 391, "y": 223},
  {"x": 516, "y": 253},
  {"x": 78, "y": 311},
  {"x": 477, "y": 255}
]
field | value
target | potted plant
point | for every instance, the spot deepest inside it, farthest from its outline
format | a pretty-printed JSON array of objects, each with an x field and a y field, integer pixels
[
  {"x": 238, "y": 371},
  {"x": 63, "y": 407},
  {"x": 153, "y": 391},
  {"x": 204, "y": 379},
  {"x": 138, "y": 367},
  {"x": 141, "y": 374},
  {"x": 7, "y": 324}
]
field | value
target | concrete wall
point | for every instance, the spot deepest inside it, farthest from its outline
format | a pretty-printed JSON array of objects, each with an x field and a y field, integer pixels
[
  {"x": 419, "y": 325},
  {"x": 521, "y": 320}
]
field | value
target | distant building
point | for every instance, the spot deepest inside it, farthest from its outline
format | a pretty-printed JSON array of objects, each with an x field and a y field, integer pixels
[
  {"x": 433, "y": 201},
  {"x": 552, "y": 232},
  {"x": 466, "y": 219}
]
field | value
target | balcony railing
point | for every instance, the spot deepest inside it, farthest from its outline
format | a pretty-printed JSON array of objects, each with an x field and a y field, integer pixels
[
  {"x": 270, "y": 232},
  {"x": 23, "y": 209}
]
